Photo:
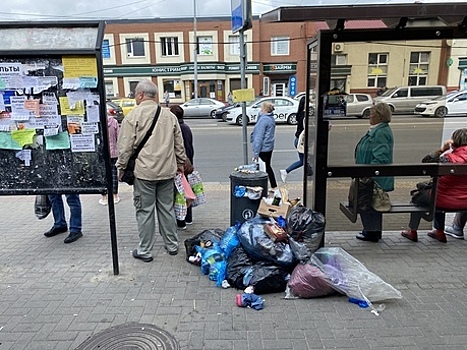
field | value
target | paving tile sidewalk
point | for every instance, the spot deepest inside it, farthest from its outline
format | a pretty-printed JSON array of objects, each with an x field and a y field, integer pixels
[{"x": 55, "y": 296}]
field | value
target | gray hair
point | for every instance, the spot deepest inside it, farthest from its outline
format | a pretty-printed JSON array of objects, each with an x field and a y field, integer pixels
[
  {"x": 147, "y": 87},
  {"x": 268, "y": 107},
  {"x": 382, "y": 111}
]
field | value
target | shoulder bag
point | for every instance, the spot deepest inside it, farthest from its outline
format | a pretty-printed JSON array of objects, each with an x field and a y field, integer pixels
[{"x": 128, "y": 173}]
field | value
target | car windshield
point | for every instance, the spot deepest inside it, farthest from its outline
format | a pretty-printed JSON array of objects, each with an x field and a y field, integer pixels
[
  {"x": 388, "y": 92},
  {"x": 445, "y": 97}
]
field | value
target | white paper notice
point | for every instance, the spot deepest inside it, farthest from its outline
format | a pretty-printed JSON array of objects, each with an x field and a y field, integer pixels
[
  {"x": 92, "y": 112},
  {"x": 18, "y": 110},
  {"x": 89, "y": 128},
  {"x": 82, "y": 143},
  {"x": 48, "y": 110},
  {"x": 48, "y": 98},
  {"x": 50, "y": 130},
  {"x": 25, "y": 155}
]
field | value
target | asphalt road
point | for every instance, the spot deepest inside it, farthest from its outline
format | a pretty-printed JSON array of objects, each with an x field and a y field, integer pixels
[{"x": 219, "y": 146}]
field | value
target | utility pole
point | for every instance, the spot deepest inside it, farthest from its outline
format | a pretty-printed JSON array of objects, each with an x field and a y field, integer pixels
[
  {"x": 195, "y": 53},
  {"x": 243, "y": 60}
]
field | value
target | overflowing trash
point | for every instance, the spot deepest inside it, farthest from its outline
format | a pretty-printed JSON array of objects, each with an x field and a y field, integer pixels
[{"x": 270, "y": 254}]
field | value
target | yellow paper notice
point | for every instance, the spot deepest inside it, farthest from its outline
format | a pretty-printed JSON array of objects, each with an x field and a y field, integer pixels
[
  {"x": 79, "y": 66},
  {"x": 244, "y": 95},
  {"x": 23, "y": 137},
  {"x": 65, "y": 108}
]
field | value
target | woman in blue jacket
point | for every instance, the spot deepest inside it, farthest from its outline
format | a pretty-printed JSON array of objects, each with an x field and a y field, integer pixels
[
  {"x": 262, "y": 139},
  {"x": 376, "y": 147}
]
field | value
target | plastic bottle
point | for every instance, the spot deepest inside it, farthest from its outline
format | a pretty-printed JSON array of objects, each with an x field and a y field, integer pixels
[
  {"x": 252, "y": 167},
  {"x": 361, "y": 303}
]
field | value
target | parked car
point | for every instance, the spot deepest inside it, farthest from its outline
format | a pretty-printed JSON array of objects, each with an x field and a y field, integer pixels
[
  {"x": 403, "y": 99},
  {"x": 201, "y": 107},
  {"x": 222, "y": 112},
  {"x": 454, "y": 103},
  {"x": 358, "y": 105},
  {"x": 127, "y": 104},
  {"x": 115, "y": 111},
  {"x": 285, "y": 111}
]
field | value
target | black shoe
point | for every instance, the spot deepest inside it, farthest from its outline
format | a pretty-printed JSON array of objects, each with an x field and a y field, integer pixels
[
  {"x": 365, "y": 236},
  {"x": 55, "y": 231},
  {"x": 145, "y": 259},
  {"x": 173, "y": 252},
  {"x": 73, "y": 236}
]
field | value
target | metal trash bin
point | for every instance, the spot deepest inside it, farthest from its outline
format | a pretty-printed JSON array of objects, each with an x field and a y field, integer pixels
[{"x": 244, "y": 208}]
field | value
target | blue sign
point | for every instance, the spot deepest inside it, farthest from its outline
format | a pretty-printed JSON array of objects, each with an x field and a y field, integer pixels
[
  {"x": 292, "y": 85},
  {"x": 105, "y": 49},
  {"x": 237, "y": 15}
]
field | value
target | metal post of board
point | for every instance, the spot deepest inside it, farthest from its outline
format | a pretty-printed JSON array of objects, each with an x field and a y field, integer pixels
[{"x": 243, "y": 86}]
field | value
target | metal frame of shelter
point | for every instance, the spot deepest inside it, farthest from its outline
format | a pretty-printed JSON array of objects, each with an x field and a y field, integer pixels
[
  {"x": 447, "y": 21},
  {"x": 37, "y": 41}
]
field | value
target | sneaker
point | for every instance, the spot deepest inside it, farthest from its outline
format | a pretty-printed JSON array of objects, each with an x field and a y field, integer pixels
[
  {"x": 454, "y": 232},
  {"x": 283, "y": 175},
  {"x": 116, "y": 200},
  {"x": 103, "y": 201},
  {"x": 189, "y": 222},
  {"x": 181, "y": 227}
]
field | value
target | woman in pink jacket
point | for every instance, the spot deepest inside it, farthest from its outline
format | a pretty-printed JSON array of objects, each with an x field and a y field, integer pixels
[
  {"x": 114, "y": 130},
  {"x": 452, "y": 189}
]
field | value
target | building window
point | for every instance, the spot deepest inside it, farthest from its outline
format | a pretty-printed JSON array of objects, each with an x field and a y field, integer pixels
[
  {"x": 377, "y": 69},
  {"x": 418, "y": 69},
  {"x": 173, "y": 87},
  {"x": 135, "y": 47},
  {"x": 279, "y": 46},
  {"x": 234, "y": 45},
  {"x": 109, "y": 89},
  {"x": 205, "y": 45},
  {"x": 339, "y": 60},
  {"x": 169, "y": 46}
]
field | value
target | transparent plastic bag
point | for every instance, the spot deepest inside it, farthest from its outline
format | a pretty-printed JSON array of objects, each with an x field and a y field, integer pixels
[{"x": 349, "y": 276}]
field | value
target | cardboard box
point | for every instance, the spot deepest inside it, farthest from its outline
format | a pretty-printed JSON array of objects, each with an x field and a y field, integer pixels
[{"x": 268, "y": 210}]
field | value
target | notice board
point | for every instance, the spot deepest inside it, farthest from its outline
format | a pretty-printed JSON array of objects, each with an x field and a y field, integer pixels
[{"x": 53, "y": 126}]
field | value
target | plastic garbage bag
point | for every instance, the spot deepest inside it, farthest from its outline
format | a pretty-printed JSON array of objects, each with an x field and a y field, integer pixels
[
  {"x": 42, "y": 206},
  {"x": 261, "y": 248},
  {"x": 212, "y": 235},
  {"x": 266, "y": 278},
  {"x": 349, "y": 276},
  {"x": 237, "y": 263},
  {"x": 213, "y": 263},
  {"x": 307, "y": 281},
  {"x": 306, "y": 226}
]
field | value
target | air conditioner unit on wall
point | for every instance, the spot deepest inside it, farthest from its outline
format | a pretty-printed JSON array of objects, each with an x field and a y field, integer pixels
[{"x": 337, "y": 47}]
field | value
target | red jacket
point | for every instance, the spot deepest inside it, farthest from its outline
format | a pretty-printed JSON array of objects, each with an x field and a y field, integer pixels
[{"x": 452, "y": 189}]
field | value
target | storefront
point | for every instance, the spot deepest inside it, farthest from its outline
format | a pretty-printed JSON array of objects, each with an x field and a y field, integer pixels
[
  {"x": 214, "y": 80},
  {"x": 276, "y": 78}
]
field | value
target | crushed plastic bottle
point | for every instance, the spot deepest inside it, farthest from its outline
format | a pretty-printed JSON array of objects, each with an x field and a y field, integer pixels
[{"x": 252, "y": 167}]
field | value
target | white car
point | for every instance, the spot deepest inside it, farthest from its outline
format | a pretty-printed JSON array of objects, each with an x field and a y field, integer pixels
[
  {"x": 285, "y": 111},
  {"x": 454, "y": 103}
]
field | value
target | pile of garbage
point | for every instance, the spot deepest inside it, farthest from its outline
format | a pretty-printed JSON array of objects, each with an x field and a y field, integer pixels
[{"x": 269, "y": 255}]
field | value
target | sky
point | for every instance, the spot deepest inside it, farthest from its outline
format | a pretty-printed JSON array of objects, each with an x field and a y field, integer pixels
[{"x": 47, "y": 10}]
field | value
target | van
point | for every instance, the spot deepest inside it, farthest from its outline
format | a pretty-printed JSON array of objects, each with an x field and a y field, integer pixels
[{"x": 403, "y": 99}]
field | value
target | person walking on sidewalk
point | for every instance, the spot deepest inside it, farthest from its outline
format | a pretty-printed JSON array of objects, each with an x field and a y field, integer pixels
[
  {"x": 451, "y": 191},
  {"x": 189, "y": 152},
  {"x": 113, "y": 131},
  {"x": 60, "y": 224},
  {"x": 456, "y": 229},
  {"x": 300, "y": 128},
  {"x": 376, "y": 147},
  {"x": 263, "y": 137},
  {"x": 156, "y": 165},
  {"x": 166, "y": 98}
]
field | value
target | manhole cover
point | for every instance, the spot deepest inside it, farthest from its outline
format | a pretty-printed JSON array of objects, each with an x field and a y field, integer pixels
[{"x": 131, "y": 336}]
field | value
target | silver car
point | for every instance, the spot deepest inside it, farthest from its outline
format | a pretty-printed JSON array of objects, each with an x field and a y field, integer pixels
[
  {"x": 201, "y": 107},
  {"x": 358, "y": 105}
]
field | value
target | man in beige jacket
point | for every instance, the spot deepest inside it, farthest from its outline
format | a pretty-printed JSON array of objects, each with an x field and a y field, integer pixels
[{"x": 156, "y": 166}]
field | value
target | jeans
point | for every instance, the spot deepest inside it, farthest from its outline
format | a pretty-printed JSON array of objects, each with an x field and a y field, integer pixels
[
  {"x": 299, "y": 162},
  {"x": 58, "y": 211},
  {"x": 438, "y": 220}
]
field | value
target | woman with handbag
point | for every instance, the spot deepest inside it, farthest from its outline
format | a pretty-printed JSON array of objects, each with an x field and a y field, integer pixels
[
  {"x": 376, "y": 147},
  {"x": 451, "y": 190},
  {"x": 190, "y": 152}
]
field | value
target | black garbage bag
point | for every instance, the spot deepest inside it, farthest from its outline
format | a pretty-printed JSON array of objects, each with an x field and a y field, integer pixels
[
  {"x": 212, "y": 235},
  {"x": 237, "y": 263},
  {"x": 266, "y": 278},
  {"x": 260, "y": 247},
  {"x": 306, "y": 226}
]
